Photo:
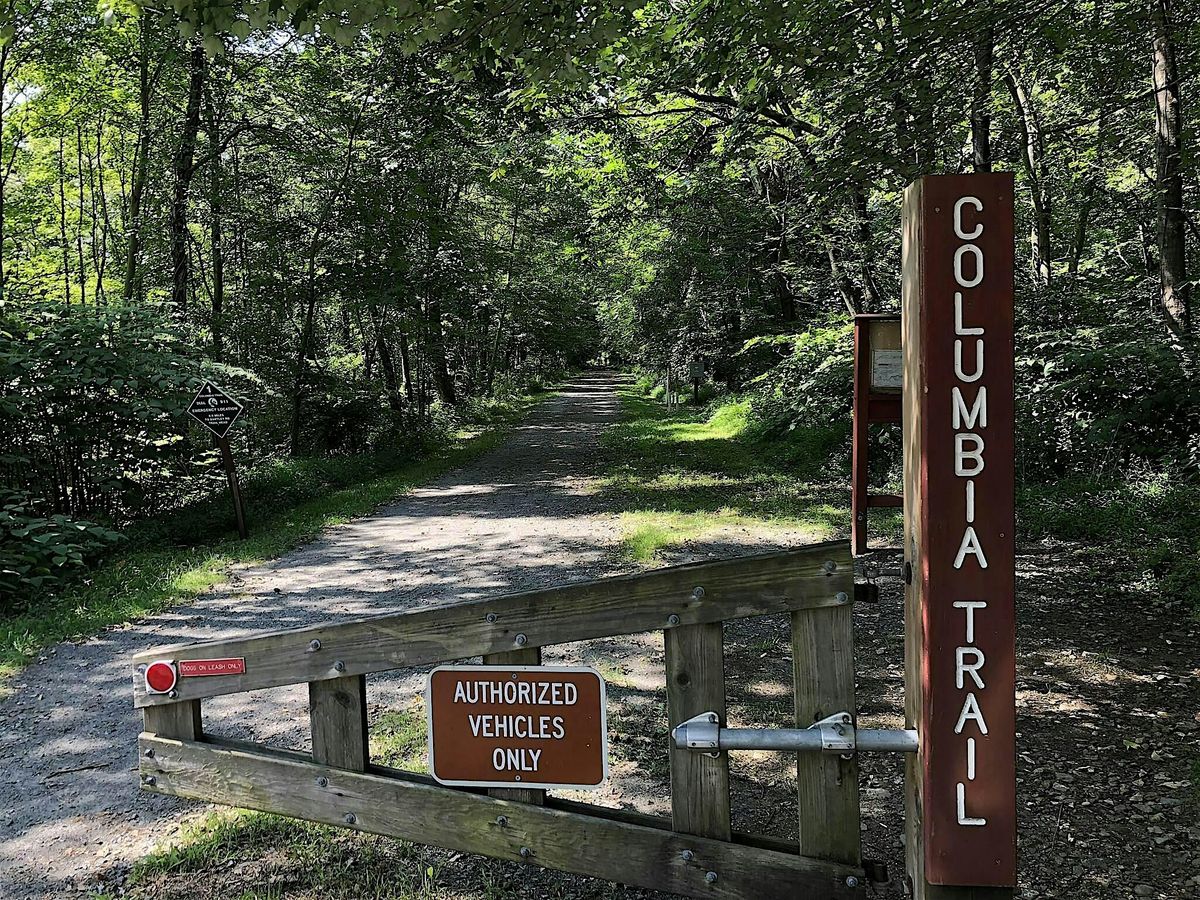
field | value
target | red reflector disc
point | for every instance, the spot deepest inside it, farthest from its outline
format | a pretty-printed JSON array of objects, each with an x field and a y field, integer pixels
[{"x": 160, "y": 677}]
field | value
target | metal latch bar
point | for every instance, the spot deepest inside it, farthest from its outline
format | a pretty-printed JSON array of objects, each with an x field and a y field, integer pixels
[{"x": 833, "y": 734}]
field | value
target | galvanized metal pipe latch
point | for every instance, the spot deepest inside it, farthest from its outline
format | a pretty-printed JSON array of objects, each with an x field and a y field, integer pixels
[{"x": 833, "y": 734}]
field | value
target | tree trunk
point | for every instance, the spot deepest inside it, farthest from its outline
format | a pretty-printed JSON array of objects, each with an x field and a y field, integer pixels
[
  {"x": 184, "y": 169},
  {"x": 845, "y": 287},
  {"x": 306, "y": 335},
  {"x": 406, "y": 368},
  {"x": 62, "y": 220},
  {"x": 383, "y": 351},
  {"x": 439, "y": 368},
  {"x": 4, "y": 71},
  {"x": 141, "y": 165},
  {"x": 1088, "y": 200},
  {"x": 79, "y": 212},
  {"x": 1037, "y": 171},
  {"x": 981, "y": 98},
  {"x": 105, "y": 223},
  {"x": 212, "y": 126},
  {"x": 1174, "y": 290}
]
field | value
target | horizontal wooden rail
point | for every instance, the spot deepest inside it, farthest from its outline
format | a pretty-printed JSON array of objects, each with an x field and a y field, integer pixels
[
  {"x": 411, "y": 809},
  {"x": 819, "y": 575}
]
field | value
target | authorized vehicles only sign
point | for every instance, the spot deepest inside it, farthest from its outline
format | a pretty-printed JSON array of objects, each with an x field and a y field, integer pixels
[{"x": 517, "y": 726}]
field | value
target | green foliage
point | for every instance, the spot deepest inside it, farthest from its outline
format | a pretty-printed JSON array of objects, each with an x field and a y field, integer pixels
[
  {"x": 171, "y": 560},
  {"x": 93, "y": 398},
  {"x": 1099, "y": 400},
  {"x": 43, "y": 552}
]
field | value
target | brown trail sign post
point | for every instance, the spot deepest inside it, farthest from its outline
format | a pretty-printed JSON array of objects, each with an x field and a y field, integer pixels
[
  {"x": 959, "y": 661},
  {"x": 958, "y": 535},
  {"x": 217, "y": 411},
  {"x": 878, "y": 378}
]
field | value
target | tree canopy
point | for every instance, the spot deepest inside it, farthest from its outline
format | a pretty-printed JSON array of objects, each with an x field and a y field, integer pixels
[{"x": 367, "y": 218}]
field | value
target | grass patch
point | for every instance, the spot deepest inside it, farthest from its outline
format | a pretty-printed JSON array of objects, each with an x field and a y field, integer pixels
[
  {"x": 153, "y": 573},
  {"x": 399, "y": 738},
  {"x": 254, "y": 856},
  {"x": 694, "y": 473}
]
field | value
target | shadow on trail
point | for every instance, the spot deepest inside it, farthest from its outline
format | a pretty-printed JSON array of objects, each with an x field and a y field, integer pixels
[{"x": 517, "y": 518}]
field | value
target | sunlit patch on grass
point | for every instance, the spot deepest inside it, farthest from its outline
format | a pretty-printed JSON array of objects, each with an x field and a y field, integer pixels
[
  {"x": 704, "y": 474},
  {"x": 646, "y": 533},
  {"x": 399, "y": 739}
]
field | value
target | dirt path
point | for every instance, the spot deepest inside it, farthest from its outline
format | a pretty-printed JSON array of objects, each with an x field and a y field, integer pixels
[
  {"x": 1108, "y": 691},
  {"x": 520, "y": 517}
]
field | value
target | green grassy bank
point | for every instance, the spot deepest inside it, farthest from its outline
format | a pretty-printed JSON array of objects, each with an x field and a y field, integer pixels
[{"x": 687, "y": 474}]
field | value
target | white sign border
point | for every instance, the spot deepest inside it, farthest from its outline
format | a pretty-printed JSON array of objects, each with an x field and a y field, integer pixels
[{"x": 540, "y": 786}]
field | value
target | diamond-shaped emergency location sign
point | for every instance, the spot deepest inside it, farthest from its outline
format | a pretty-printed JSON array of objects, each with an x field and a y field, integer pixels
[{"x": 215, "y": 409}]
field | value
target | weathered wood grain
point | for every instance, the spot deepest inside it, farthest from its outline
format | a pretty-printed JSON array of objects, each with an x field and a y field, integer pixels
[
  {"x": 530, "y": 656},
  {"x": 337, "y": 710},
  {"x": 823, "y": 667},
  {"x": 443, "y": 817},
  {"x": 180, "y": 720},
  {"x": 733, "y": 589},
  {"x": 695, "y": 664}
]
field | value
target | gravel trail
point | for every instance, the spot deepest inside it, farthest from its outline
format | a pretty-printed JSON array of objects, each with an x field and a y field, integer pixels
[{"x": 520, "y": 517}]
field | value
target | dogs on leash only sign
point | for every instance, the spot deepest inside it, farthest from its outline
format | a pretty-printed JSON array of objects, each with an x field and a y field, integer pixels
[{"x": 517, "y": 726}]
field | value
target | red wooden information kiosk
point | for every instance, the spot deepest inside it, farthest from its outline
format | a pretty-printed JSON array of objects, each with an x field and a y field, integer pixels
[{"x": 878, "y": 378}]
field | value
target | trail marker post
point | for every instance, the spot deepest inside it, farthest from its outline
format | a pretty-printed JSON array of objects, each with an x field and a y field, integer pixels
[
  {"x": 217, "y": 411},
  {"x": 696, "y": 374},
  {"x": 958, "y": 535}
]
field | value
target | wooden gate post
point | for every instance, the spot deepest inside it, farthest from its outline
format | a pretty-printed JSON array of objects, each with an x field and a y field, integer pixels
[
  {"x": 695, "y": 664},
  {"x": 528, "y": 656},
  {"x": 958, "y": 535},
  {"x": 823, "y": 673},
  {"x": 337, "y": 711}
]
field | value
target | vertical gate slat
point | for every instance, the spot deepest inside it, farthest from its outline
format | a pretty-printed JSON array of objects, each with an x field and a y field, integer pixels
[
  {"x": 826, "y": 784},
  {"x": 174, "y": 720},
  {"x": 338, "y": 713},
  {"x": 528, "y": 656},
  {"x": 695, "y": 666}
]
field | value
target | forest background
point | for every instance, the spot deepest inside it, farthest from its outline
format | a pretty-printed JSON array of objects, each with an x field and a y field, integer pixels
[{"x": 381, "y": 225}]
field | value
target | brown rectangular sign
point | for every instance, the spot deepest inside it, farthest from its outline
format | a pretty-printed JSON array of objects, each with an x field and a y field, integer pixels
[
  {"x": 959, "y": 522},
  {"x": 527, "y": 726}
]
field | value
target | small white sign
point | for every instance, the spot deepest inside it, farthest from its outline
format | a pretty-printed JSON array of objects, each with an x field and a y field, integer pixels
[{"x": 887, "y": 369}]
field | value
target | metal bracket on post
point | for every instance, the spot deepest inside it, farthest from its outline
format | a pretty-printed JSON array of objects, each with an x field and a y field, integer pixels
[
  {"x": 700, "y": 732},
  {"x": 837, "y": 733},
  {"x": 833, "y": 734}
]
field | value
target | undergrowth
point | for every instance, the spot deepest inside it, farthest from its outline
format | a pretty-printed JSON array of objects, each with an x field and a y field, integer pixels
[{"x": 288, "y": 503}]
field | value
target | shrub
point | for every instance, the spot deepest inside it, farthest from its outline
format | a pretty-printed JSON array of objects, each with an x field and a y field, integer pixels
[{"x": 39, "y": 553}]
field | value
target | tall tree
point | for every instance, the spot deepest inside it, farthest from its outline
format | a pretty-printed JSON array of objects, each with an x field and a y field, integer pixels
[{"x": 1174, "y": 289}]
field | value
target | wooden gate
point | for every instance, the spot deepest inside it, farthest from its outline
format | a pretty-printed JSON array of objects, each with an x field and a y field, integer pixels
[{"x": 695, "y": 853}]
